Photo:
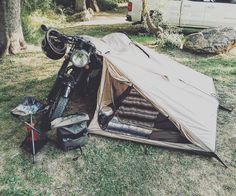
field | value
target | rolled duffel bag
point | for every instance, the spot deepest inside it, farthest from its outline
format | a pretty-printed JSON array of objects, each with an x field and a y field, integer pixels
[{"x": 72, "y": 131}]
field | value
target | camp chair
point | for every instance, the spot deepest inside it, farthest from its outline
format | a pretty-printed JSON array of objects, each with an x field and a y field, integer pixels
[{"x": 29, "y": 107}]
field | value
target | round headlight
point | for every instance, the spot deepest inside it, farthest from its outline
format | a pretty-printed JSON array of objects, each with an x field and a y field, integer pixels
[{"x": 80, "y": 58}]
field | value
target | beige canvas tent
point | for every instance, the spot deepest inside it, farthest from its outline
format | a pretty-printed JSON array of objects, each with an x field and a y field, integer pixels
[{"x": 155, "y": 100}]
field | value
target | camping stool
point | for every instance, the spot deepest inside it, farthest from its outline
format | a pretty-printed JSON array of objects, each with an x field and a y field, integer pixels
[{"x": 29, "y": 107}]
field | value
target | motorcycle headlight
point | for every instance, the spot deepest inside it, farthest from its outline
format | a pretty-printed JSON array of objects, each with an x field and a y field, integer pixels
[{"x": 80, "y": 58}]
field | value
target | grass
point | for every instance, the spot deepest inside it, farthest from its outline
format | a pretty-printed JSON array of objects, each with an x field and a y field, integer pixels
[{"x": 108, "y": 166}]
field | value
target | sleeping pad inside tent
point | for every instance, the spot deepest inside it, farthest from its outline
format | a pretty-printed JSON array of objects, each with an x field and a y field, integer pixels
[{"x": 146, "y": 97}]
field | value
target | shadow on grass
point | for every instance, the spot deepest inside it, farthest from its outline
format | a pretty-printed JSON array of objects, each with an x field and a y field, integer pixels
[{"x": 97, "y": 31}]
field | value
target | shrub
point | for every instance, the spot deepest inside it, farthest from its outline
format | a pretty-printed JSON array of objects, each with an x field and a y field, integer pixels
[
  {"x": 170, "y": 40},
  {"x": 102, "y": 4},
  {"x": 31, "y": 34},
  {"x": 43, "y": 5},
  {"x": 65, "y": 3},
  {"x": 157, "y": 18},
  {"x": 107, "y": 4}
]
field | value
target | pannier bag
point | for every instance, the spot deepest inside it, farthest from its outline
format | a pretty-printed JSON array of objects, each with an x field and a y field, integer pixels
[
  {"x": 72, "y": 131},
  {"x": 68, "y": 141}
]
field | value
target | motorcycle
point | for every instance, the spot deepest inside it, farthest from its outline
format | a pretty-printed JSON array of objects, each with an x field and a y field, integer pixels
[{"x": 80, "y": 70}]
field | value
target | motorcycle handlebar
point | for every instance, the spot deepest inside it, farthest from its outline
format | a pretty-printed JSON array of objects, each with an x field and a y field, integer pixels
[
  {"x": 56, "y": 33},
  {"x": 71, "y": 39}
]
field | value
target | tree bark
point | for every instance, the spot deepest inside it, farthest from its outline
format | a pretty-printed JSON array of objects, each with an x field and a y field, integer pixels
[
  {"x": 11, "y": 35},
  {"x": 83, "y": 5},
  {"x": 93, "y": 4},
  {"x": 80, "y": 5},
  {"x": 156, "y": 30}
]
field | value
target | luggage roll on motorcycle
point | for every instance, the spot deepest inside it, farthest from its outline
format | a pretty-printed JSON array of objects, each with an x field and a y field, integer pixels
[{"x": 80, "y": 61}]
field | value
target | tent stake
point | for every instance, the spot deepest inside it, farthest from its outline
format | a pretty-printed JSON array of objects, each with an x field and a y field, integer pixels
[
  {"x": 218, "y": 158},
  {"x": 225, "y": 109}
]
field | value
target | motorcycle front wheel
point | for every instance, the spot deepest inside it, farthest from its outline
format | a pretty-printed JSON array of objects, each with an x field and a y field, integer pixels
[{"x": 58, "y": 107}]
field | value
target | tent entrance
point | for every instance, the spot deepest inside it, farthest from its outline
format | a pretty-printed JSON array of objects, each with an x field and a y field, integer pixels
[{"x": 135, "y": 116}]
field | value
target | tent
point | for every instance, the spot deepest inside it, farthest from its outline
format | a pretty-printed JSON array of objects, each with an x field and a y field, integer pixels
[{"x": 154, "y": 99}]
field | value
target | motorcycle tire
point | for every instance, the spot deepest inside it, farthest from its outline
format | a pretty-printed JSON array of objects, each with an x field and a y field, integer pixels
[{"x": 58, "y": 107}]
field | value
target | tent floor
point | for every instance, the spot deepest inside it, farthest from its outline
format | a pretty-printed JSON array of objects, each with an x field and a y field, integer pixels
[
  {"x": 137, "y": 117},
  {"x": 85, "y": 104}
]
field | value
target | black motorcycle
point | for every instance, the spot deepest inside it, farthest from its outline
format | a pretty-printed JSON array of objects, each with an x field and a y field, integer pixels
[{"x": 80, "y": 70}]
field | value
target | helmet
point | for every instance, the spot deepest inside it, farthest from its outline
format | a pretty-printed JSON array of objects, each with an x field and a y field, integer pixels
[{"x": 53, "y": 45}]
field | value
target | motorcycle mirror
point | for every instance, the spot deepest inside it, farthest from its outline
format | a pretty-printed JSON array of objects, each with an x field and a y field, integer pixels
[{"x": 44, "y": 27}]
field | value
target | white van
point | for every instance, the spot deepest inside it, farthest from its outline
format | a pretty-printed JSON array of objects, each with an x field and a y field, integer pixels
[{"x": 188, "y": 13}]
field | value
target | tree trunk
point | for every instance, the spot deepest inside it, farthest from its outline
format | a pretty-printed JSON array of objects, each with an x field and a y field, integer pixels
[
  {"x": 80, "y": 5},
  {"x": 156, "y": 30},
  {"x": 11, "y": 35},
  {"x": 83, "y": 5},
  {"x": 93, "y": 4}
]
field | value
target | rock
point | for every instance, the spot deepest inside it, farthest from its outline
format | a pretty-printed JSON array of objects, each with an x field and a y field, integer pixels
[{"x": 211, "y": 41}]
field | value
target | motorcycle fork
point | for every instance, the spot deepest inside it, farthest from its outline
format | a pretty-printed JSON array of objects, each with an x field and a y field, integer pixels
[
  {"x": 59, "y": 82},
  {"x": 68, "y": 89},
  {"x": 70, "y": 84}
]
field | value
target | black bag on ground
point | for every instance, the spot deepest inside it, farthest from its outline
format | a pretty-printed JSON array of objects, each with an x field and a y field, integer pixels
[
  {"x": 68, "y": 141},
  {"x": 74, "y": 133}
]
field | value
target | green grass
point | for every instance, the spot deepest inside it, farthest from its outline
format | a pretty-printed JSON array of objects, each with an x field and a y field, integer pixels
[{"x": 109, "y": 166}]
